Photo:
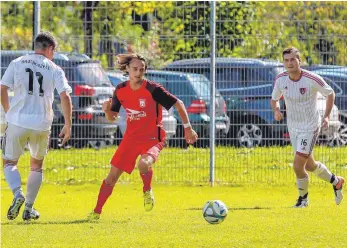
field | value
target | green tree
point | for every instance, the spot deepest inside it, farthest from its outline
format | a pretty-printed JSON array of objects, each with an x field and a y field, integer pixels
[
  {"x": 186, "y": 28},
  {"x": 318, "y": 29}
]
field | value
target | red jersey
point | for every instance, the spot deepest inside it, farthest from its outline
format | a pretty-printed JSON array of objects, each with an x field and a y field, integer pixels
[{"x": 143, "y": 108}]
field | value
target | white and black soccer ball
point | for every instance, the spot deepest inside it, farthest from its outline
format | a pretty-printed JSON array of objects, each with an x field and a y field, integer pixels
[{"x": 215, "y": 211}]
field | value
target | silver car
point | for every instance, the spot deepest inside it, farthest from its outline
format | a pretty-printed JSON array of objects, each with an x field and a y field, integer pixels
[{"x": 169, "y": 121}]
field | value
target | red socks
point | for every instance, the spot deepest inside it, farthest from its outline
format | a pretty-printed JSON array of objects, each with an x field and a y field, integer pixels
[
  {"x": 147, "y": 180},
  {"x": 104, "y": 194}
]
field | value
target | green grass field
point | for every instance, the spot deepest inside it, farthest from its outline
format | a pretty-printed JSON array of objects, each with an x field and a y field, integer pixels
[
  {"x": 260, "y": 191},
  {"x": 234, "y": 166},
  {"x": 258, "y": 217}
]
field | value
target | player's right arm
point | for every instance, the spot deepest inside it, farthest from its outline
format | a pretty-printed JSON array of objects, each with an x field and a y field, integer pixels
[
  {"x": 4, "y": 98},
  {"x": 6, "y": 83},
  {"x": 107, "y": 108},
  {"x": 275, "y": 105},
  {"x": 111, "y": 107}
]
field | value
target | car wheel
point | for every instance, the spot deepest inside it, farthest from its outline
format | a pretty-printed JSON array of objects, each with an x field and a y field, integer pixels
[
  {"x": 250, "y": 135},
  {"x": 80, "y": 143},
  {"x": 339, "y": 138}
]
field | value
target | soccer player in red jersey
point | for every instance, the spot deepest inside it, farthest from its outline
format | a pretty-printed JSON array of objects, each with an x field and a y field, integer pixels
[{"x": 143, "y": 101}]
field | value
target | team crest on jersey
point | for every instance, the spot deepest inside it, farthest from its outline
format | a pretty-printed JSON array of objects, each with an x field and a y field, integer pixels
[
  {"x": 303, "y": 91},
  {"x": 142, "y": 103}
]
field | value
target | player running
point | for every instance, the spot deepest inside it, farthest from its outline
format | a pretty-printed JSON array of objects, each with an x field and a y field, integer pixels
[
  {"x": 300, "y": 89},
  {"x": 143, "y": 101},
  {"x": 29, "y": 117}
]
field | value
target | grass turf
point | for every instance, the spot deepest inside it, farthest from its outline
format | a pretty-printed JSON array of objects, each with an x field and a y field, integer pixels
[{"x": 259, "y": 216}]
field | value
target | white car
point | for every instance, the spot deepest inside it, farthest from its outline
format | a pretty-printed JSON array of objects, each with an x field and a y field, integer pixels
[{"x": 333, "y": 135}]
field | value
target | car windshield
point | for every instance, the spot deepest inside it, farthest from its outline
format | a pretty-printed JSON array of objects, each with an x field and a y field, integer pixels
[
  {"x": 200, "y": 84},
  {"x": 92, "y": 74}
]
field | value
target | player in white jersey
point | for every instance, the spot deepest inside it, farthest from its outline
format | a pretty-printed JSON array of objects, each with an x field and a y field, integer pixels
[
  {"x": 29, "y": 117},
  {"x": 300, "y": 89}
]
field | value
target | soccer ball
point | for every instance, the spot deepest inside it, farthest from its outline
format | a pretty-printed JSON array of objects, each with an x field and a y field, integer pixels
[{"x": 215, "y": 211}]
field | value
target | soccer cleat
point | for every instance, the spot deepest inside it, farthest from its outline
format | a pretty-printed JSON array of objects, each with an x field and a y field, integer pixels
[
  {"x": 17, "y": 203},
  {"x": 148, "y": 200},
  {"x": 93, "y": 216},
  {"x": 30, "y": 214},
  {"x": 302, "y": 202},
  {"x": 338, "y": 190}
]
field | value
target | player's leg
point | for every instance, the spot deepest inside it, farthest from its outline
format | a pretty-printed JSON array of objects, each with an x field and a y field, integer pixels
[
  {"x": 323, "y": 172},
  {"x": 13, "y": 146},
  {"x": 302, "y": 180},
  {"x": 123, "y": 161},
  {"x": 145, "y": 167},
  {"x": 35, "y": 179},
  {"x": 301, "y": 145},
  {"x": 148, "y": 157},
  {"x": 38, "y": 146},
  {"x": 105, "y": 191}
]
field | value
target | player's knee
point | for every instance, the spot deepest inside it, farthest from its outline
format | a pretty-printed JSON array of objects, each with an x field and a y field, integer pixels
[
  {"x": 36, "y": 165},
  {"x": 311, "y": 165},
  {"x": 145, "y": 164},
  {"x": 7, "y": 163},
  {"x": 111, "y": 180}
]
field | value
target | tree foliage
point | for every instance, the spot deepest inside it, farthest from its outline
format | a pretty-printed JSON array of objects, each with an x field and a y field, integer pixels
[{"x": 177, "y": 30}]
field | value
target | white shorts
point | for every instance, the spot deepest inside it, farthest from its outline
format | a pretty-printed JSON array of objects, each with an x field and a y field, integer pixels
[
  {"x": 303, "y": 142},
  {"x": 16, "y": 138}
]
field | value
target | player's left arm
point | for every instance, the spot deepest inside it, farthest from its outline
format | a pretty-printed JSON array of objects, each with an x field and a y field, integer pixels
[
  {"x": 330, "y": 99},
  {"x": 189, "y": 134},
  {"x": 167, "y": 100}
]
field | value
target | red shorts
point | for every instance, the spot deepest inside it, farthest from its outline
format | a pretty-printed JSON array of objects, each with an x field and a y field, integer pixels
[{"x": 128, "y": 151}]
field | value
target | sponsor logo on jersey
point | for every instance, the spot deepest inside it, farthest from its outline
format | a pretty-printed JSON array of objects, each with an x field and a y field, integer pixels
[{"x": 134, "y": 115}]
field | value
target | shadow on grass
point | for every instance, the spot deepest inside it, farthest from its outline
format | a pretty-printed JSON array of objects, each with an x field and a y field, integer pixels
[
  {"x": 83, "y": 221},
  {"x": 232, "y": 209},
  {"x": 48, "y": 222}
]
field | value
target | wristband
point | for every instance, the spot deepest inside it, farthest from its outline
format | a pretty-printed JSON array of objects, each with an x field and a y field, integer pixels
[{"x": 186, "y": 125}]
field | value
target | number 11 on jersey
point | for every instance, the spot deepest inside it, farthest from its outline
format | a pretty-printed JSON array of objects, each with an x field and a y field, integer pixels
[{"x": 31, "y": 81}]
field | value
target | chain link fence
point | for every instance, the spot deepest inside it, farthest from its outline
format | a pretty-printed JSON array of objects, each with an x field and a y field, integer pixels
[{"x": 175, "y": 36}]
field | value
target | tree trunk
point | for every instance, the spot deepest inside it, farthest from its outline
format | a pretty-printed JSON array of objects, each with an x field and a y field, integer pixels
[{"x": 87, "y": 17}]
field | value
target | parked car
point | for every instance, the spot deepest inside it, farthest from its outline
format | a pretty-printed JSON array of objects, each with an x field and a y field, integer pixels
[
  {"x": 337, "y": 79},
  {"x": 169, "y": 121},
  {"x": 90, "y": 88},
  {"x": 246, "y": 84},
  {"x": 194, "y": 91}
]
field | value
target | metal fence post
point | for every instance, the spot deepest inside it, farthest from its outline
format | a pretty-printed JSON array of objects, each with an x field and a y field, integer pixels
[
  {"x": 213, "y": 90},
  {"x": 36, "y": 20}
]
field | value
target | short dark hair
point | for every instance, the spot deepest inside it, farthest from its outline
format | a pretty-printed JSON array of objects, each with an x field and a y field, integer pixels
[
  {"x": 43, "y": 40},
  {"x": 123, "y": 60},
  {"x": 289, "y": 50}
]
